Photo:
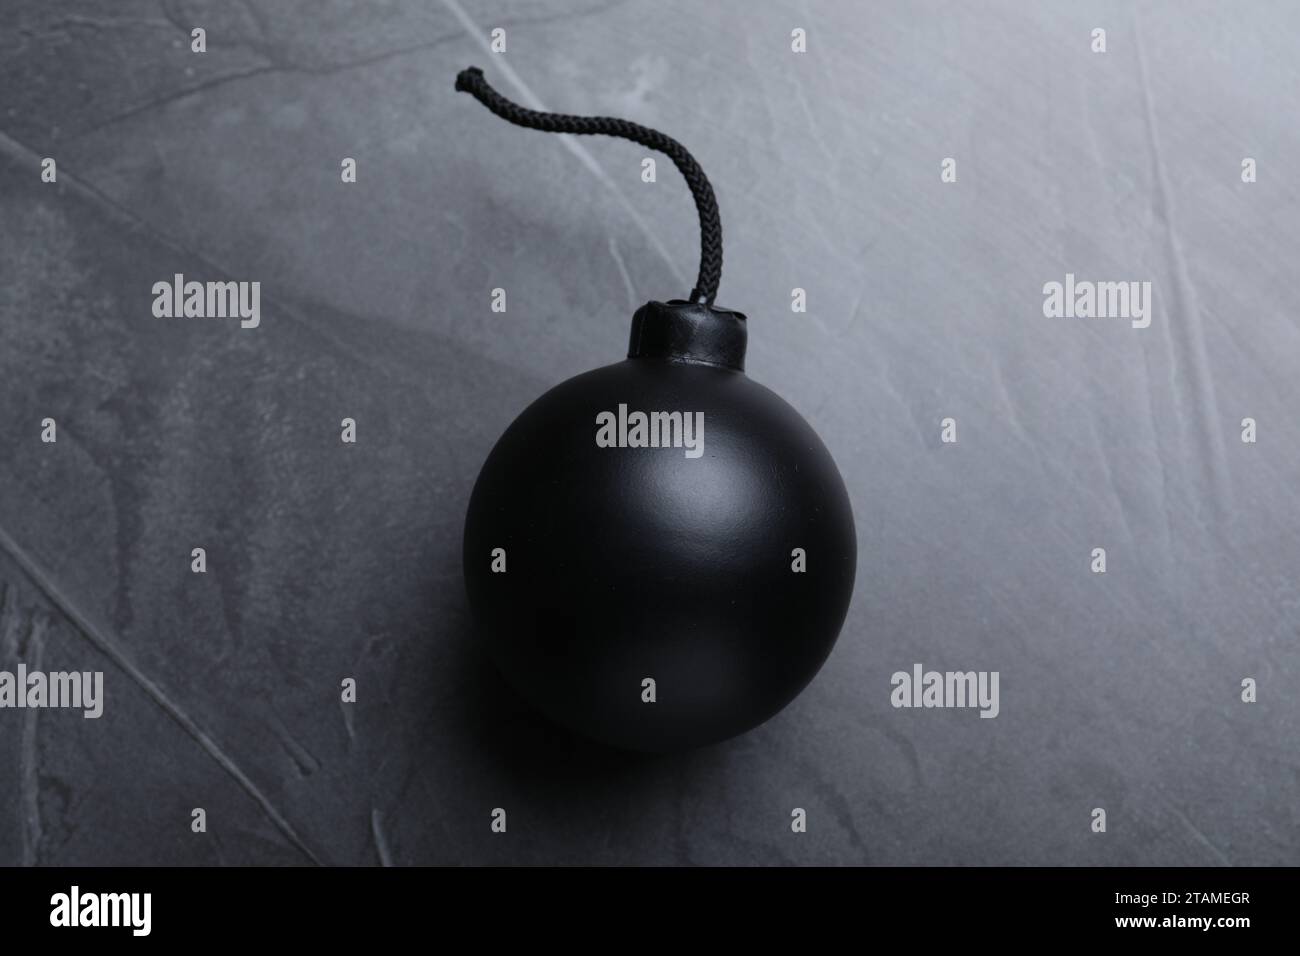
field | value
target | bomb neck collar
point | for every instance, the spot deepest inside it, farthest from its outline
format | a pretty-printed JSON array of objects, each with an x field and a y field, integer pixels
[{"x": 689, "y": 332}]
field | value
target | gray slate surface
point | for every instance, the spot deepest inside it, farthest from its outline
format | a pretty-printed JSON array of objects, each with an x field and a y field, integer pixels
[{"x": 1118, "y": 690}]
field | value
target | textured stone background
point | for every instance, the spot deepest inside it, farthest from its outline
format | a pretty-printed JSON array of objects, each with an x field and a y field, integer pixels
[{"x": 326, "y": 561}]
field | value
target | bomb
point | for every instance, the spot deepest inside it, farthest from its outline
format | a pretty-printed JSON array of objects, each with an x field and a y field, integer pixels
[{"x": 637, "y": 549}]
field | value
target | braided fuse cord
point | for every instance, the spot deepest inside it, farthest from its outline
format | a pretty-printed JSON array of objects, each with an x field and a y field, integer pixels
[{"x": 710, "y": 274}]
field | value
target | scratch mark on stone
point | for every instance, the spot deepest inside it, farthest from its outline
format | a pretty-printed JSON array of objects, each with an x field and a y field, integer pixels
[
  {"x": 1192, "y": 342},
  {"x": 33, "y": 831},
  {"x": 304, "y": 760},
  {"x": 108, "y": 646},
  {"x": 100, "y": 23},
  {"x": 11, "y": 646},
  {"x": 1200, "y": 837},
  {"x": 840, "y": 808},
  {"x": 347, "y": 719},
  {"x": 907, "y": 749},
  {"x": 622, "y": 270},
  {"x": 381, "y": 843},
  {"x": 814, "y": 127},
  {"x": 329, "y": 69},
  {"x": 220, "y": 850}
]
